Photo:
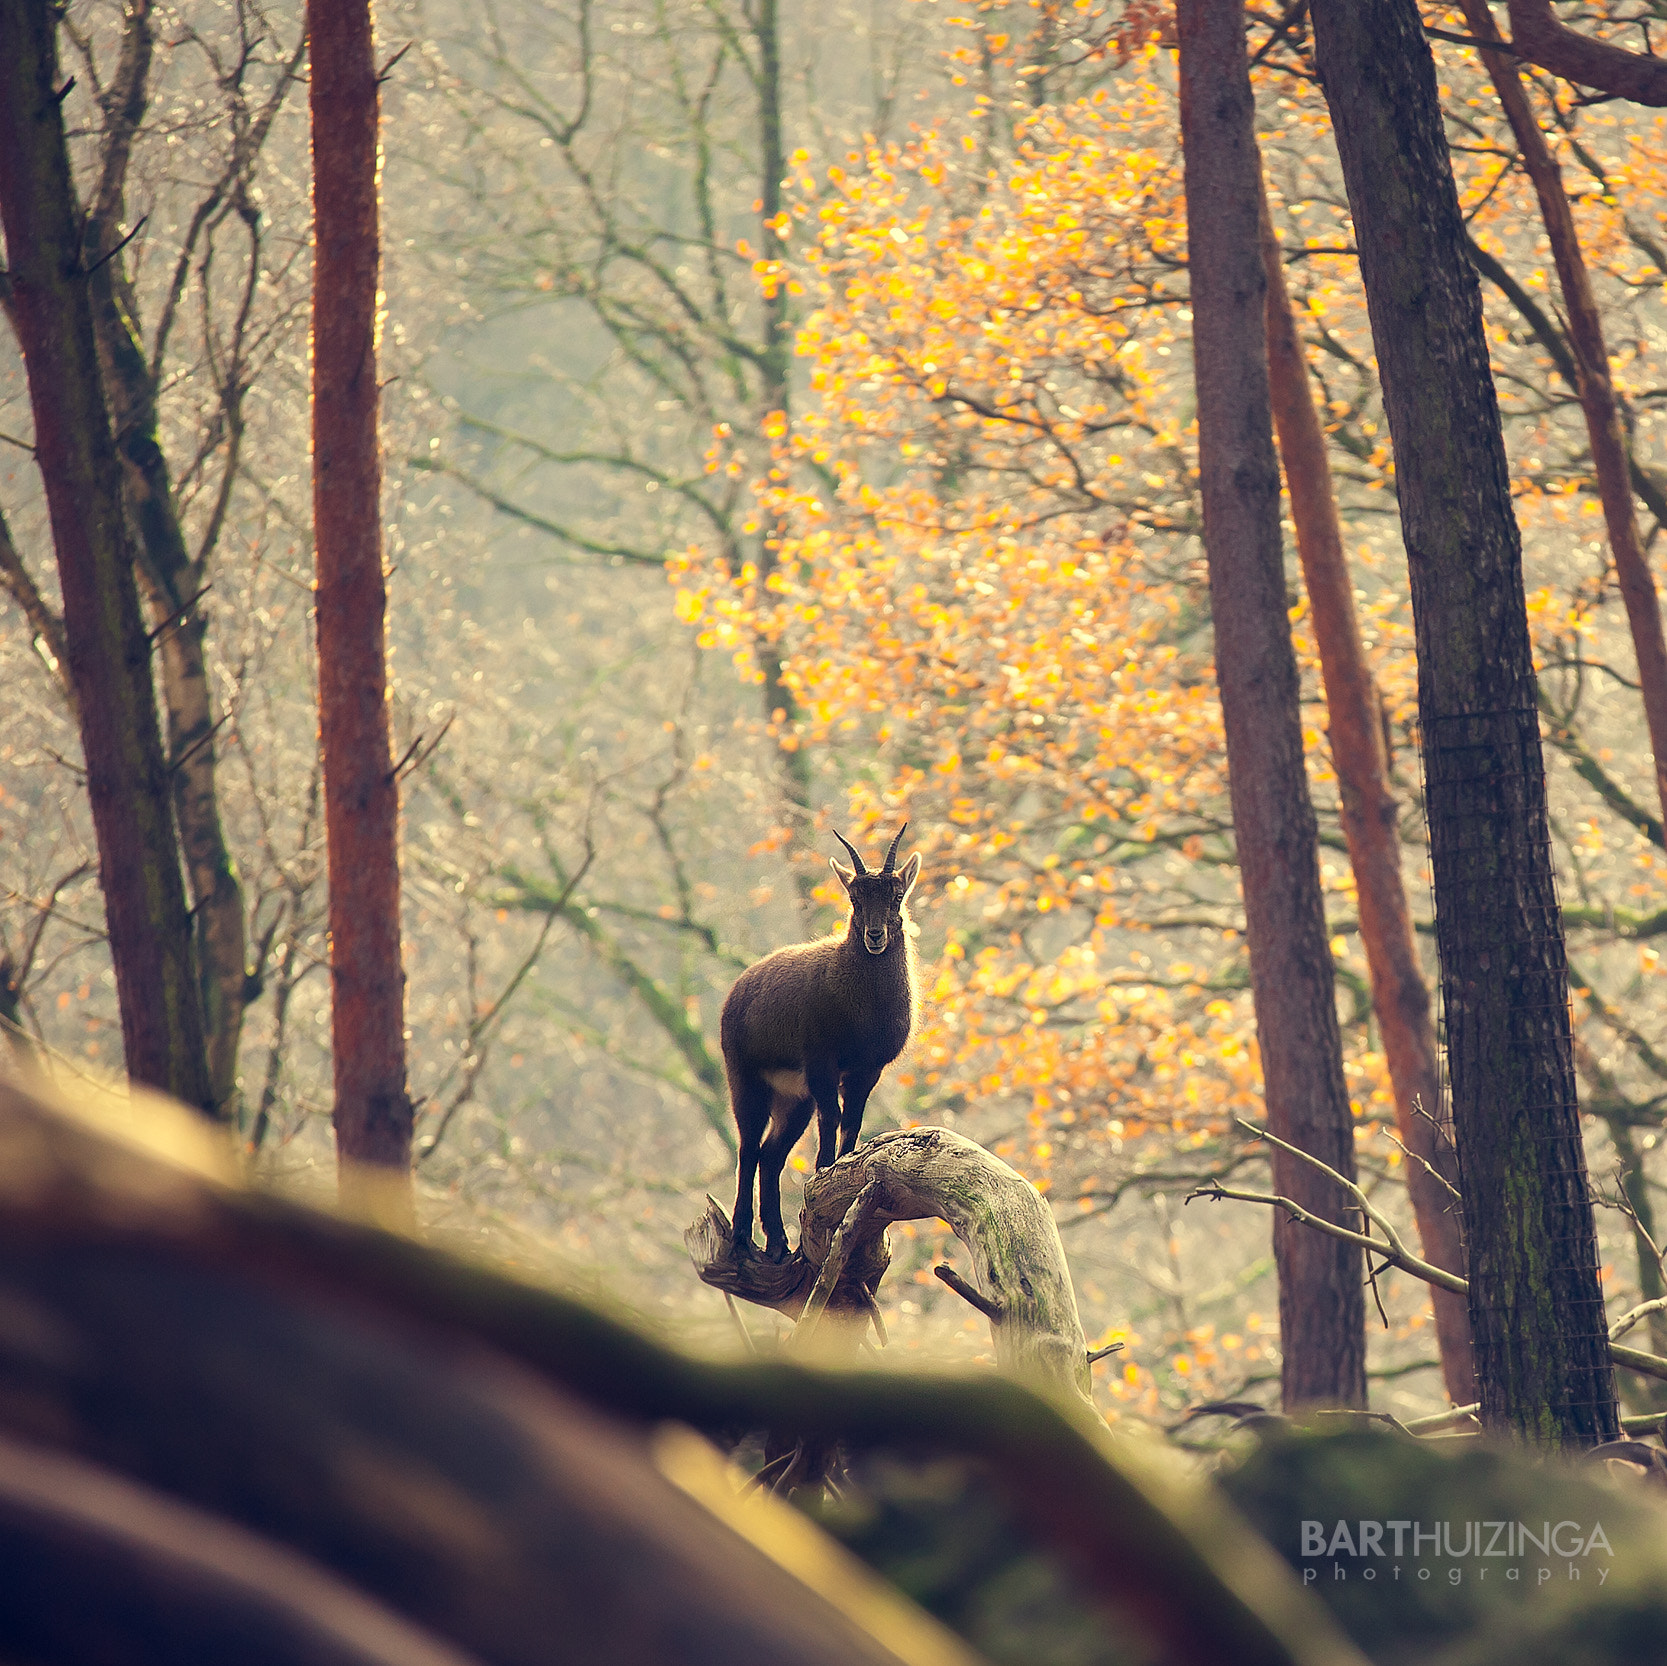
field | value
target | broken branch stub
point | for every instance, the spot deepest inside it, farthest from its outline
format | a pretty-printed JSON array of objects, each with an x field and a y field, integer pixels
[{"x": 922, "y": 1174}]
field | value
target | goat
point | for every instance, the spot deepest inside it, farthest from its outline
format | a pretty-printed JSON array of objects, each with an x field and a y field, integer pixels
[{"x": 811, "y": 1020}]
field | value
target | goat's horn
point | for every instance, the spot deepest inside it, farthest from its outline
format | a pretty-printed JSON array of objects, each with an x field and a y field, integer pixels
[
  {"x": 891, "y": 855},
  {"x": 861, "y": 866}
]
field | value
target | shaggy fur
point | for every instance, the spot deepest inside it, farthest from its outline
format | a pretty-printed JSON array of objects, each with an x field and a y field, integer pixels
[{"x": 812, "y": 1023}]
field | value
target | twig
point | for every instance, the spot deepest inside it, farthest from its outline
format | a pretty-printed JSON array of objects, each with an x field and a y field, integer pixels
[
  {"x": 1097, "y": 1354},
  {"x": 473, "y": 1058},
  {"x": 838, "y": 1250},
  {"x": 971, "y": 1293},
  {"x": 1396, "y": 1254},
  {"x": 1362, "y": 1202},
  {"x": 1429, "y": 1168},
  {"x": 1434, "y": 1121},
  {"x": 1236, "y": 1409},
  {"x": 387, "y": 69},
  {"x": 416, "y": 754},
  {"x": 1359, "y": 1415},
  {"x": 740, "y": 1324},
  {"x": 780, "y": 1461},
  {"x": 1630, "y": 1318},
  {"x": 196, "y": 746},
  {"x": 1402, "y": 1257},
  {"x": 1279, "y": 30},
  {"x": 1501, "y": 46},
  {"x": 104, "y": 259},
  {"x": 1627, "y": 1208},
  {"x": 1377, "y": 1296},
  {"x": 877, "y": 1320},
  {"x": 176, "y": 615},
  {"x": 1443, "y": 1419}
]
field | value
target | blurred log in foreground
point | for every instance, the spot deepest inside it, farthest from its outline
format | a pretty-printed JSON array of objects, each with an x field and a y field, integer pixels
[
  {"x": 185, "y": 1388},
  {"x": 1023, "y": 1283},
  {"x": 480, "y": 1462},
  {"x": 154, "y": 1580}
]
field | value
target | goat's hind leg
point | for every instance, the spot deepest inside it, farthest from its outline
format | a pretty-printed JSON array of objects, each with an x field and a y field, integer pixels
[
  {"x": 750, "y": 1102},
  {"x": 788, "y": 1121}
]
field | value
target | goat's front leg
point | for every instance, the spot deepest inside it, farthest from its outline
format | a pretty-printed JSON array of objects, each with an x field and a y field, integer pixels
[
  {"x": 858, "y": 1085},
  {"x": 823, "y": 1082}
]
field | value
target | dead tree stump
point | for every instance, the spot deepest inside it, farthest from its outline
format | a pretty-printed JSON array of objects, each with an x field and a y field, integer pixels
[{"x": 1023, "y": 1285}]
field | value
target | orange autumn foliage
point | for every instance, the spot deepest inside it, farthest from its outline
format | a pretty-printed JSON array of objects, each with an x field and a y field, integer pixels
[
  {"x": 989, "y": 597},
  {"x": 986, "y": 594},
  {"x": 990, "y": 602}
]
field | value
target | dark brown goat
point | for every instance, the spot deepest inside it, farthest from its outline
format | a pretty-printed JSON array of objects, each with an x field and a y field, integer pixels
[{"x": 812, "y": 1021}]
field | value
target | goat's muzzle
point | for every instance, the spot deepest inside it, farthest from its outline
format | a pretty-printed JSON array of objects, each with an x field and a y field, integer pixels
[{"x": 875, "y": 941}]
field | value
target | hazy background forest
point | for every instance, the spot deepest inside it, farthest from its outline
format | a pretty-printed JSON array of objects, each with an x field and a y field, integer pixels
[{"x": 776, "y": 444}]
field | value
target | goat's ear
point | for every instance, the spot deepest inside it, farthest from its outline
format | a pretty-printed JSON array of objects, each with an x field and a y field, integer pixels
[
  {"x": 846, "y": 875},
  {"x": 909, "y": 873}
]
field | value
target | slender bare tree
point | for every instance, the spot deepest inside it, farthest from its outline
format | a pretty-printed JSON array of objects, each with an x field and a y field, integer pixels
[{"x": 49, "y": 301}]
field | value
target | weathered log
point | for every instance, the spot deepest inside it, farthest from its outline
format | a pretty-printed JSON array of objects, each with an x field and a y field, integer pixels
[
  {"x": 923, "y": 1174},
  {"x": 98, "y": 1568},
  {"x": 424, "y": 1400},
  {"x": 141, "y": 1339}
]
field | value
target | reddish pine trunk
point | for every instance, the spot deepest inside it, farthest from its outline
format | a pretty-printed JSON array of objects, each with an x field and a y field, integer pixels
[
  {"x": 367, "y": 982},
  {"x": 1321, "y": 1307},
  {"x": 107, "y": 648},
  {"x": 1399, "y": 995}
]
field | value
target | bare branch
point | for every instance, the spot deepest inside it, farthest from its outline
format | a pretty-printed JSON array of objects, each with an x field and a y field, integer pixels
[
  {"x": 1407, "y": 1262},
  {"x": 540, "y": 523},
  {"x": 1362, "y": 1202},
  {"x": 477, "y": 1044},
  {"x": 970, "y": 1293},
  {"x": 47, "y": 627},
  {"x": 850, "y": 1230},
  {"x": 1443, "y": 1420},
  {"x": 1538, "y": 36},
  {"x": 1434, "y": 1173},
  {"x": 1649, "y": 1365},
  {"x": 1632, "y": 1316}
]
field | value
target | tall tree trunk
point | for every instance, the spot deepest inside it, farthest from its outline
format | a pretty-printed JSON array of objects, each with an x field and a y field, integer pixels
[
  {"x": 781, "y": 709},
  {"x": 1399, "y": 995},
  {"x": 171, "y": 580},
  {"x": 217, "y": 903},
  {"x": 1595, "y": 389},
  {"x": 1536, "y": 1308},
  {"x": 106, "y": 643},
  {"x": 1322, "y": 1320},
  {"x": 373, "y": 1113}
]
